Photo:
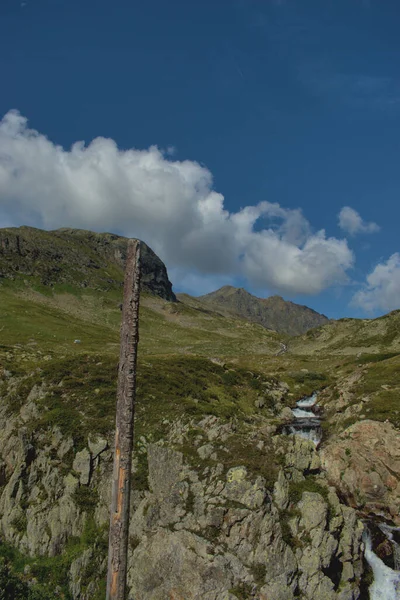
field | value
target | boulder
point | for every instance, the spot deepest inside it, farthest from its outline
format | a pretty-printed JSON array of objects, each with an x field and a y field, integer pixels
[{"x": 363, "y": 463}]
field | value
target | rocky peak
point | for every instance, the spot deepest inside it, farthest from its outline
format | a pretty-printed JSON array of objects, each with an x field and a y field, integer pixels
[
  {"x": 272, "y": 313},
  {"x": 77, "y": 257}
]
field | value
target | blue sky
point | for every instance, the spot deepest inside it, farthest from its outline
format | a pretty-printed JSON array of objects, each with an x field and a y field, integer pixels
[{"x": 251, "y": 103}]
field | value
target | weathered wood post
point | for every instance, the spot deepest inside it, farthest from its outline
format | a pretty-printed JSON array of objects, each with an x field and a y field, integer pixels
[{"x": 119, "y": 518}]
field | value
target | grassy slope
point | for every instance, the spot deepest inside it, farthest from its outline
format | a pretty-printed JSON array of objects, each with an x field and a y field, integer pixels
[{"x": 352, "y": 337}]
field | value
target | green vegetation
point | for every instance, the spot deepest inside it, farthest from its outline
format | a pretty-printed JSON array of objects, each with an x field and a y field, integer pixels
[
  {"x": 242, "y": 592},
  {"x": 304, "y": 383},
  {"x": 51, "y": 573},
  {"x": 309, "y": 484},
  {"x": 80, "y": 392},
  {"x": 242, "y": 451},
  {"x": 380, "y": 388},
  {"x": 15, "y": 586},
  {"x": 372, "y": 358}
]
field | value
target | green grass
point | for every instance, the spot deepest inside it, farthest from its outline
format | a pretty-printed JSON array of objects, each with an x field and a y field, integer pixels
[
  {"x": 296, "y": 489},
  {"x": 381, "y": 403},
  {"x": 53, "y": 572},
  {"x": 54, "y": 319},
  {"x": 373, "y": 358},
  {"x": 24, "y": 321}
]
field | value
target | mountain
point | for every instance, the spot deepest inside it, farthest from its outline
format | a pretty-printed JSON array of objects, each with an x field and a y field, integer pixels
[
  {"x": 76, "y": 257},
  {"x": 272, "y": 313}
]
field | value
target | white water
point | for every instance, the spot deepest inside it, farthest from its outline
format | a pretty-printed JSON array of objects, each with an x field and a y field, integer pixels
[
  {"x": 306, "y": 423},
  {"x": 299, "y": 413},
  {"x": 308, "y": 434},
  {"x": 386, "y": 585},
  {"x": 308, "y": 402}
]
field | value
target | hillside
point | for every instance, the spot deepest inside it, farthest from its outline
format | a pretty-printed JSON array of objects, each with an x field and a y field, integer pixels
[
  {"x": 352, "y": 336},
  {"x": 272, "y": 313},
  {"x": 76, "y": 257}
]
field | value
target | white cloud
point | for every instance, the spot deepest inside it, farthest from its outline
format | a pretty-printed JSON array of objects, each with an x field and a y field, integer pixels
[
  {"x": 382, "y": 290},
  {"x": 351, "y": 222},
  {"x": 169, "y": 204}
]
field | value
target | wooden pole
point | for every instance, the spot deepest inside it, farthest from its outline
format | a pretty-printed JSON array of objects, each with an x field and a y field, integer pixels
[{"x": 119, "y": 518}]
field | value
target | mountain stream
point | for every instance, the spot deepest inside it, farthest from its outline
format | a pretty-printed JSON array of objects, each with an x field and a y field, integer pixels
[
  {"x": 386, "y": 584},
  {"x": 307, "y": 423}
]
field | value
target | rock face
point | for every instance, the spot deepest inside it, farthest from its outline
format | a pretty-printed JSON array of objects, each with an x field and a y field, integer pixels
[
  {"x": 223, "y": 536},
  {"x": 77, "y": 257},
  {"x": 273, "y": 313},
  {"x": 200, "y": 531},
  {"x": 364, "y": 464},
  {"x": 221, "y": 508}
]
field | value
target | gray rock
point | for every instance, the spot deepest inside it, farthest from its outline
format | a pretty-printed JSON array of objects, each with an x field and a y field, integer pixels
[
  {"x": 97, "y": 445},
  {"x": 82, "y": 464},
  {"x": 240, "y": 489}
]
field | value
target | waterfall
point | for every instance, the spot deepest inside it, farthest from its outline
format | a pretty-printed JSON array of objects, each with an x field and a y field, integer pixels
[
  {"x": 386, "y": 584},
  {"x": 308, "y": 402},
  {"x": 306, "y": 423}
]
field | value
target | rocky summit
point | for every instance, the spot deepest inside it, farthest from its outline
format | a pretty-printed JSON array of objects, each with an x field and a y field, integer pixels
[
  {"x": 273, "y": 312},
  {"x": 232, "y": 498}
]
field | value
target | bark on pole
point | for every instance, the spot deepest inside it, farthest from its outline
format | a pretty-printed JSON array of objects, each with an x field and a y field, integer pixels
[{"x": 120, "y": 501}]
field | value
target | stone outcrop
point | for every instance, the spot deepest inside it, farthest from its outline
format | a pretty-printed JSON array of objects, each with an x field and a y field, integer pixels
[
  {"x": 224, "y": 536},
  {"x": 363, "y": 463}
]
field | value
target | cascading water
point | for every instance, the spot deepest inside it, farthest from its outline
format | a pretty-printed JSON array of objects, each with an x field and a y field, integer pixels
[
  {"x": 386, "y": 584},
  {"x": 306, "y": 423},
  {"x": 308, "y": 402}
]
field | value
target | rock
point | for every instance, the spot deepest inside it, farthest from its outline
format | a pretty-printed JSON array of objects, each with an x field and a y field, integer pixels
[
  {"x": 301, "y": 455},
  {"x": 313, "y": 511},
  {"x": 197, "y": 532},
  {"x": 286, "y": 415},
  {"x": 179, "y": 565},
  {"x": 240, "y": 489},
  {"x": 260, "y": 402},
  {"x": 76, "y": 570},
  {"x": 97, "y": 445},
  {"x": 82, "y": 465},
  {"x": 281, "y": 491},
  {"x": 205, "y": 451},
  {"x": 363, "y": 463}
]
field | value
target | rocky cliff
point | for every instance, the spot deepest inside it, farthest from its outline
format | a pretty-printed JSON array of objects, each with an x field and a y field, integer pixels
[{"x": 78, "y": 258}]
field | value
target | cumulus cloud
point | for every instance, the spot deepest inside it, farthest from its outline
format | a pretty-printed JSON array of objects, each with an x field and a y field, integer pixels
[
  {"x": 168, "y": 203},
  {"x": 351, "y": 222},
  {"x": 382, "y": 289}
]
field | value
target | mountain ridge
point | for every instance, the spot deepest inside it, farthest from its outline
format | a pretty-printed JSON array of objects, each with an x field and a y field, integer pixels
[
  {"x": 78, "y": 257},
  {"x": 273, "y": 312}
]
